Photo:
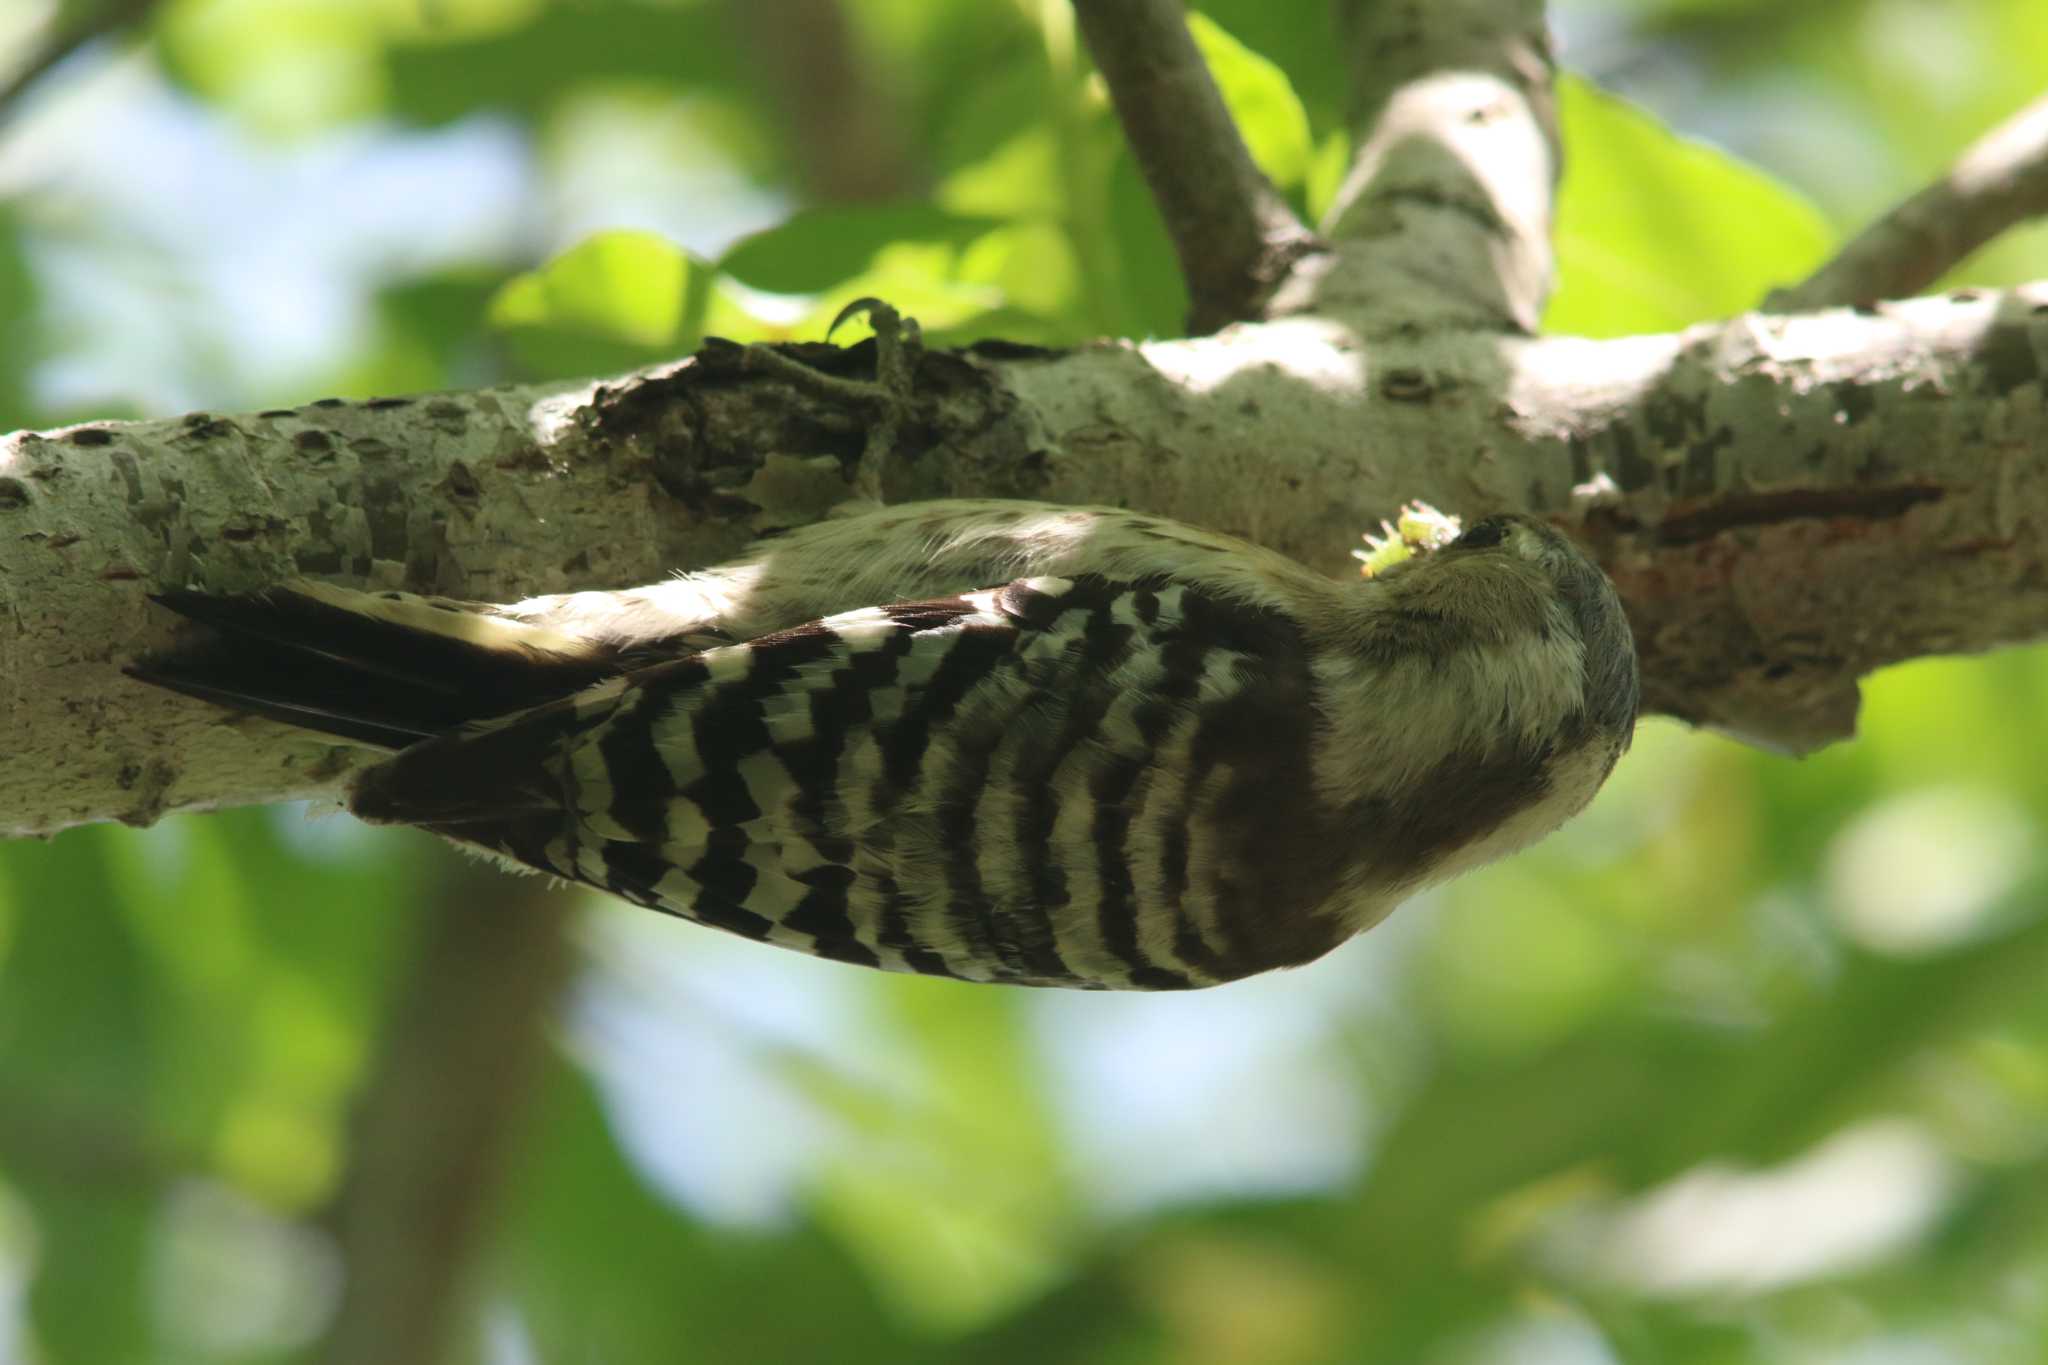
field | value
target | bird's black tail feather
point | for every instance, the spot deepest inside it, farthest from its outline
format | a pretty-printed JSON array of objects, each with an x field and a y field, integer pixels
[{"x": 380, "y": 669}]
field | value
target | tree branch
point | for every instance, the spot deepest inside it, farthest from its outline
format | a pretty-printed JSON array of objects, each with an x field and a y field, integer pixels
[
  {"x": 2002, "y": 180},
  {"x": 843, "y": 128},
  {"x": 442, "y": 1108},
  {"x": 113, "y": 15},
  {"x": 1444, "y": 218},
  {"x": 1236, "y": 238},
  {"x": 1781, "y": 504}
]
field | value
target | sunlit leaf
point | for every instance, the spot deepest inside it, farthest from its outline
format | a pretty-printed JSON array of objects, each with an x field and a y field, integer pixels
[
  {"x": 1020, "y": 179},
  {"x": 1326, "y": 173},
  {"x": 819, "y": 248},
  {"x": 1304, "y": 43},
  {"x": 925, "y": 281},
  {"x": 628, "y": 286},
  {"x": 616, "y": 300},
  {"x": 1153, "y": 297},
  {"x": 1656, "y": 231},
  {"x": 1261, "y": 101},
  {"x": 1032, "y": 264},
  {"x": 286, "y": 66}
]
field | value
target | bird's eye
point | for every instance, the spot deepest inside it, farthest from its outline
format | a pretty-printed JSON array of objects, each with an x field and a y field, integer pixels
[{"x": 1484, "y": 534}]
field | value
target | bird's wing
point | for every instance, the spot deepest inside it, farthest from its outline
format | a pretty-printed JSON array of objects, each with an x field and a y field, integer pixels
[
  {"x": 998, "y": 785},
  {"x": 384, "y": 669}
]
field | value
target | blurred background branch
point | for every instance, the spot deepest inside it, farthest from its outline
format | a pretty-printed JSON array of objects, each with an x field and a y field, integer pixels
[
  {"x": 2000, "y": 182},
  {"x": 841, "y": 116},
  {"x": 446, "y": 1101},
  {"x": 67, "y": 28}
]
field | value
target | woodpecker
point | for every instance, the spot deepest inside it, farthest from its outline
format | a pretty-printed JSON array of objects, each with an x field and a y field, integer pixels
[{"x": 997, "y": 741}]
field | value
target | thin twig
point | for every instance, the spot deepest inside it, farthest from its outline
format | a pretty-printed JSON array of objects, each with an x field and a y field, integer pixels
[
  {"x": 1235, "y": 236},
  {"x": 2002, "y": 180}
]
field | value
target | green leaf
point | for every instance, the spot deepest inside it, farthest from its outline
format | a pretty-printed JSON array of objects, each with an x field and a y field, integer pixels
[
  {"x": 962, "y": 281},
  {"x": 603, "y": 1267},
  {"x": 20, "y": 330},
  {"x": 819, "y": 248},
  {"x": 613, "y": 301},
  {"x": 985, "y": 107},
  {"x": 628, "y": 286},
  {"x": 1262, "y": 101},
  {"x": 910, "y": 1192},
  {"x": 961, "y": 276},
  {"x": 1302, "y": 41},
  {"x": 922, "y": 280},
  {"x": 1326, "y": 174},
  {"x": 564, "y": 49},
  {"x": 1031, "y": 263},
  {"x": 1020, "y": 179},
  {"x": 1152, "y": 294},
  {"x": 430, "y": 335},
  {"x": 1656, "y": 231},
  {"x": 286, "y": 66},
  {"x": 76, "y": 1078}
]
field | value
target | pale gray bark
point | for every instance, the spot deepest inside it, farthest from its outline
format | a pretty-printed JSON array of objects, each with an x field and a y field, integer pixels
[
  {"x": 1444, "y": 219},
  {"x": 1786, "y": 503}
]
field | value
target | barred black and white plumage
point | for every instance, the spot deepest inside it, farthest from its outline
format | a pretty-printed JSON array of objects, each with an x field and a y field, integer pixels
[{"x": 1149, "y": 757}]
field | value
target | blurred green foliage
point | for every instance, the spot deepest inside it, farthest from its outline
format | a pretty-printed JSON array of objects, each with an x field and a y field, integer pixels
[{"x": 1749, "y": 1064}]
